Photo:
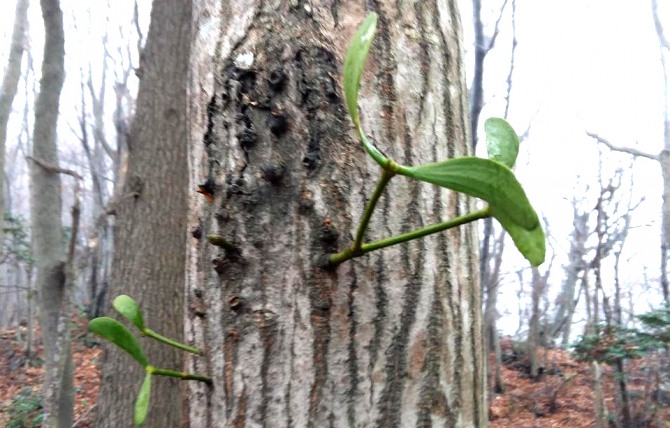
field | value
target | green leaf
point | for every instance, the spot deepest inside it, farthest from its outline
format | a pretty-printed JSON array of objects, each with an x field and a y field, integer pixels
[
  {"x": 130, "y": 310},
  {"x": 118, "y": 334},
  {"x": 354, "y": 63},
  {"x": 142, "y": 403},
  {"x": 530, "y": 243},
  {"x": 502, "y": 142},
  {"x": 496, "y": 184}
]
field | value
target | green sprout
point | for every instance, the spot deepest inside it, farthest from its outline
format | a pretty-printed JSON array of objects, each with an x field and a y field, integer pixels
[
  {"x": 116, "y": 333},
  {"x": 491, "y": 180}
]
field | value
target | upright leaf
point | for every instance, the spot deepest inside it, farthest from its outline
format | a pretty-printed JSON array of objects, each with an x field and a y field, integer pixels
[
  {"x": 142, "y": 403},
  {"x": 116, "y": 333},
  {"x": 355, "y": 61},
  {"x": 502, "y": 142},
  {"x": 130, "y": 310}
]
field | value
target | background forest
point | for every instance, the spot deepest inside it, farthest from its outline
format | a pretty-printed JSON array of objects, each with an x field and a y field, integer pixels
[{"x": 585, "y": 84}]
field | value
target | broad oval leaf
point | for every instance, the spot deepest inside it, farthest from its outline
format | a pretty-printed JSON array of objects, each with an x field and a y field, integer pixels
[
  {"x": 142, "y": 403},
  {"x": 130, "y": 310},
  {"x": 502, "y": 142},
  {"x": 116, "y": 333},
  {"x": 354, "y": 63},
  {"x": 496, "y": 184}
]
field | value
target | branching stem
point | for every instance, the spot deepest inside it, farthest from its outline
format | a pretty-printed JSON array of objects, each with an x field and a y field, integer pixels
[
  {"x": 352, "y": 252},
  {"x": 370, "y": 207},
  {"x": 150, "y": 333},
  {"x": 180, "y": 375}
]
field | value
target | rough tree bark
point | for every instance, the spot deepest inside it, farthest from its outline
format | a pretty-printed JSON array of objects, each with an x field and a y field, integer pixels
[
  {"x": 390, "y": 339},
  {"x": 10, "y": 84},
  {"x": 150, "y": 233},
  {"x": 47, "y": 227}
]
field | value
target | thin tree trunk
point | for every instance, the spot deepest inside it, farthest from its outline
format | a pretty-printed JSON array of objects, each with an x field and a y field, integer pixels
[
  {"x": 10, "y": 84},
  {"x": 389, "y": 339},
  {"x": 150, "y": 242},
  {"x": 47, "y": 228}
]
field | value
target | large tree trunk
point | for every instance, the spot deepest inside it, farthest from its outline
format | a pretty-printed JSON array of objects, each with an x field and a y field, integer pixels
[
  {"x": 10, "y": 84},
  {"x": 150, "y": 241},
  {"x": 390, "y": 339},
  {"x": 47, "y": 227}
]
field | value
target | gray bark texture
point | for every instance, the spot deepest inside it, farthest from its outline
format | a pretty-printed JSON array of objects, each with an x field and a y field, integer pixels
[
  {"x": 47, "y": 227},
  {"x": 10, "y": 84},
  {"x": 150, "y": 233},
  {"x": 566, "y": 299},
  {"x": 390, "y": 339}
]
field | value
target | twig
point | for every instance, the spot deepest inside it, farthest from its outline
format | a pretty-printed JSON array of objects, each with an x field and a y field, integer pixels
[
  {"x": 54, "y": 168},
  {"x": 631, "y": 151}
]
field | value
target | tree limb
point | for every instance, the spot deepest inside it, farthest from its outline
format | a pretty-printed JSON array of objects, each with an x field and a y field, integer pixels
[
  {"x": 631, "y": 151},
  {"x": 55, "y": 169},
  {"x": 659, "y": 26}
]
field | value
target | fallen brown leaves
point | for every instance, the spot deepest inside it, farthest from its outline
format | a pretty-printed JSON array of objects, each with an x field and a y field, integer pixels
[
  {"x": 16, "y": 375},
  {"x": 563, "y": 397}
]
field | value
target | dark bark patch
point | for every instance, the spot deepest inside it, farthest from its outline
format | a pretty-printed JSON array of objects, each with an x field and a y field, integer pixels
[
  {"x": 390, "y": 401},
  {"x": 212, "y": 110},
  {"x": 277, "y": 79},
  {"x": 247, "y": 137},
  {"x": 235, "y": 303},
  {"x": 272, "y": 172},
  {"x": 352, "y": 360},
  {"x": 278, "y": 123},
  {"x": 247, "y": 80}
]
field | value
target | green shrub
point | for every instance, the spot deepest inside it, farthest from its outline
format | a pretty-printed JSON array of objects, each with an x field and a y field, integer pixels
[{"x": 25, "y": 410}]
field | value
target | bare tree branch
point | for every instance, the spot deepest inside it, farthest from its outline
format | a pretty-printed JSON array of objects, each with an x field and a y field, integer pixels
[
  {"x": 496, "y": 29},
  {"x": 513, "y": 55},
  {"x": 659, "y": 26},
  {"x": 631, "y": 151},
  {"x": 54, "y": 168}
]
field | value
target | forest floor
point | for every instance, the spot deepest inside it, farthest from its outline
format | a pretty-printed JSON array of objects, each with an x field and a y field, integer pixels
[{"x": 562, "y": 397}]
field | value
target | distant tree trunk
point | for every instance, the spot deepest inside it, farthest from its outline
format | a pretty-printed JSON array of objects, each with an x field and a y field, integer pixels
[
  {"x": 390, "y": 339},
  {"x": 664, "y": 156},
  {"x": 47, "y": 227},
  {"x": 10, "y": 84},
  {"x": 562, "y": 324},
  {"x": 490, "y": 291},
  {"x": 150, "y": 242},
  {"x": 539, "y": 285}
]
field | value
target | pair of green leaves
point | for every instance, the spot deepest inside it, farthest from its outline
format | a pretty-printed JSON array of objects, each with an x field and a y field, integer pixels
[
  {"x": 116, "y": 333},
  {"x": 491, "y": 180}
]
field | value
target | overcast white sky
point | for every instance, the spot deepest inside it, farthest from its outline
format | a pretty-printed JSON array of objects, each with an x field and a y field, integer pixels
[{"x": 579, "y": 65}]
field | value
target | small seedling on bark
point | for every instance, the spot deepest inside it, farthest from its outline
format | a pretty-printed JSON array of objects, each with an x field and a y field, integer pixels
[
  {"x": 491, "y": 180},
  {"x": 116, "y": 333}
]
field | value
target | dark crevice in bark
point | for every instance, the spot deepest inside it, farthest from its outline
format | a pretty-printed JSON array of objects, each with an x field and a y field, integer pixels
[
  {"x": 386, "y": 69},
  {"x": 424, "y": 57},
  {"x": 432, "y": 399},
  {"x": 268, "y": 338},
  {"x": 352, "y": 361},
  {"x": 380, "y": 319},
  {"x": 390, "y": 400}
]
